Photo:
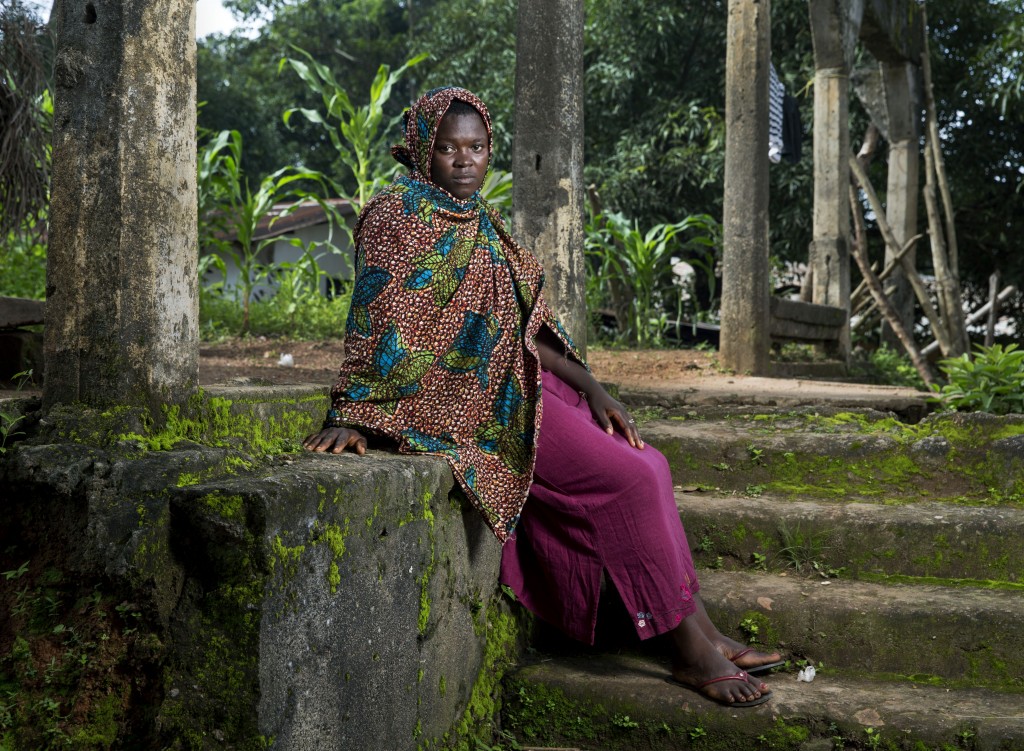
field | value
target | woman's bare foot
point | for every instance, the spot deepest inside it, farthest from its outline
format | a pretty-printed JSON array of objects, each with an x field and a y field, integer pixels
[
  {"x": 698, "y": 664},
  {"x": 739, "y": 654}
]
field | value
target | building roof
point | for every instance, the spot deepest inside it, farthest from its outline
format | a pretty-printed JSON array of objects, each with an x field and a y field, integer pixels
[{"x": 309, "y": 214}]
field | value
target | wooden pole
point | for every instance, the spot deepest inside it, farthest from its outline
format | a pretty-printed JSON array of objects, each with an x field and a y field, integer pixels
[
  {"x": 891, "y": 315},
  {"x": 942, "y": 234},
  {"x": 860, "y": 296},
  {"x": 977, "y": 315},
  {"x": 993, "y": 309},
  {"x": 911, "y": 273}
]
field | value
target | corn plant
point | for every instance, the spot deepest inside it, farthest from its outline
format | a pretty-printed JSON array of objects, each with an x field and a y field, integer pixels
[
  {"x": 991, "y": 381},
  {"x": 358, "y": 134},
  {"x": 232, "y": 213},
  {"x": 632, "y": 270}
]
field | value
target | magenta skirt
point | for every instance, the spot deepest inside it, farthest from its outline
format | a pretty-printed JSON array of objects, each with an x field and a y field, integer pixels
[{"x": 597, "y": 505}]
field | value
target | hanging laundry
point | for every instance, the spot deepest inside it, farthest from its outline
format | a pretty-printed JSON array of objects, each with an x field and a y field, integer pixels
[{"x": 776, "y": 95}]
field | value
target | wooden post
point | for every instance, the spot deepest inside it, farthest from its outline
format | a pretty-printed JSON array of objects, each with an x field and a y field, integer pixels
[
  {"x": 746, "y": 335},
  {"x": 122, "y": 302},
  {"x": 993, "y": 309},
  {"x": 548, "y": 191}
]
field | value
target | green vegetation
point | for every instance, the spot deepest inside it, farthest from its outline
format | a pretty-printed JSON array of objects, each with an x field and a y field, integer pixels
[
  {"x": 631, "y": 274},
  {"x": 8, "y": 420},
  {"x": 990, "y": 381},
  {"x": 886, "y": 366},
  {"x": 72, "y": 667}
]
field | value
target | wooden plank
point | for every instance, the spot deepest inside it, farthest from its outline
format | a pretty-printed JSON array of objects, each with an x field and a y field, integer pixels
[
  {"x": 18, "y": 311},
  {"x": 782, "y": 330},
  {"x": 806, "y": 312}
]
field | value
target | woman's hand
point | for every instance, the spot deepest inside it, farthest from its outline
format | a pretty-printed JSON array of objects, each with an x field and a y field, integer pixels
[
  {"x": 336, "y": 440},
  {"x": 610, "y": 412}
]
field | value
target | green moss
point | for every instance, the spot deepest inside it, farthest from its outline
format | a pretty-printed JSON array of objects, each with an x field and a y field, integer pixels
[
  {"x": 758, "y": 628},
  {"x": 287, "y": 556},
  {"x": 218, "y": 681},
  {"x": 260, "y": 426},
  {"x": 334, "y": 535},
  {"x": 784, "y": 735},
  {"x": 186, "y": 479},
  {"x": 230, "y": 507},
  {"x": 945, "y": 582},
  {"x": 544, "y": 716},
  {"x": 423, "y": 619},
  {"x": 501, "y": 633}
]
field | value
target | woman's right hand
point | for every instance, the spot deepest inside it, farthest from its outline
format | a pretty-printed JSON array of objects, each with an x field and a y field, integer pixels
[{"x": 336, "y": 440}]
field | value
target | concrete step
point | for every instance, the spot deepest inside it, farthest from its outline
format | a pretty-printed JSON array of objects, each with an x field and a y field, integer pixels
[
  {"x": 972, "y": 459},
  {"x": 924, "y": 539},
  {"x": 716, "y": 391},
  {"x": 609, "y": 702},
  {"x": 954, "y": 635}
]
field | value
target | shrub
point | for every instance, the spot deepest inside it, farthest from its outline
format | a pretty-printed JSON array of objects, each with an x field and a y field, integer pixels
[
  {"x": 885, "y": 366},
  {"x": 991, "y": 381}
]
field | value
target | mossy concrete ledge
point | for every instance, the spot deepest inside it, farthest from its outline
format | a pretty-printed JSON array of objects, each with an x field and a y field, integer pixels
[
  {"x": 298, "y": 601},
  {"x": 345, "y": 597}
]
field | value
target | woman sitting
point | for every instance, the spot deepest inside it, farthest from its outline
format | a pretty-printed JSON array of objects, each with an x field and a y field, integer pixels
[{"x": 451, "y": 350}]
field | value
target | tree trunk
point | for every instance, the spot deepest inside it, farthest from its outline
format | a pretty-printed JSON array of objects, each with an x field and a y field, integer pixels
[{"x": 943, "y": 234}]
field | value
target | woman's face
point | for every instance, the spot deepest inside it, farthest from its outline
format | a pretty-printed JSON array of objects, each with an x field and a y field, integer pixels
[{"x": 459, "y": 161}]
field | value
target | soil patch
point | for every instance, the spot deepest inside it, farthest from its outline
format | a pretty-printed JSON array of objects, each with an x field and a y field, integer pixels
[{"x": 263, "y": 360}]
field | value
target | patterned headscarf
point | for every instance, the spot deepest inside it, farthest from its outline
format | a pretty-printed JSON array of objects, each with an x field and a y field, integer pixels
[
  {"x": 421, "y": 124},
  {"x": 439, "y": 344}
]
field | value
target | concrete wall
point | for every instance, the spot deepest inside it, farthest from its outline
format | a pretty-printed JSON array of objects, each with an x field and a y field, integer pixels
[{"x": 327, "y": 602}]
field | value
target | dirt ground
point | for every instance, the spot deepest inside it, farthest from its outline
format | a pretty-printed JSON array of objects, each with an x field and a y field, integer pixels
[
  {"x": 680, "y": 376},
  {"x": 318, "y": 362}
]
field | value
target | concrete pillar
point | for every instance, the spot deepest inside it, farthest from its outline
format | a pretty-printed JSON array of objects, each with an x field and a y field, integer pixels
[
  {"x": 835, "y": 25},
  {"x": 122, "y": 304},
  {"x": 547, "y": 140},
  {"x": 745, "y": 339},
  {"x": 902, "y": 190}
]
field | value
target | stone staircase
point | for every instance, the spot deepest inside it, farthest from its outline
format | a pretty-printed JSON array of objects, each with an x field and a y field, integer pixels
[{"x": 888, "y": 555}]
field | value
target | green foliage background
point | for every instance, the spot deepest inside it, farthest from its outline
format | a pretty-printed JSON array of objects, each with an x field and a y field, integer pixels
[{"x": 654, "y": 104}]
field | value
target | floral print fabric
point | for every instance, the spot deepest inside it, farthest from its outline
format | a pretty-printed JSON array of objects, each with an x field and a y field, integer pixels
[{"x": 439, "y": 350}]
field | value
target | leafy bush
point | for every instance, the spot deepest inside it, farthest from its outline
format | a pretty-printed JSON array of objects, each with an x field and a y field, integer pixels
[
  {"x": 886, "y": 366},
  {"x": 993, "y": 381},
  {"x": 631, "y": 272},
  {"x": 23, "y": 266},
  {"x": 311, "y": 317}
]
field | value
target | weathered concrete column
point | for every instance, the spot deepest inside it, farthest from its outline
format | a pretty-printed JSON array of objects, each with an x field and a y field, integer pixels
[
  {"x": 547, "y": 140},
  {"x": 902, "y": 190},
  {"x": 835, "y": 25},
  {"x": 122, "y": 305},
  {"x": 745, "y": 295}
]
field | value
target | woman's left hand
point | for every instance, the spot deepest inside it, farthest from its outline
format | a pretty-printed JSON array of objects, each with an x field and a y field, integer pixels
[{"x": 610, "y": 412}]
